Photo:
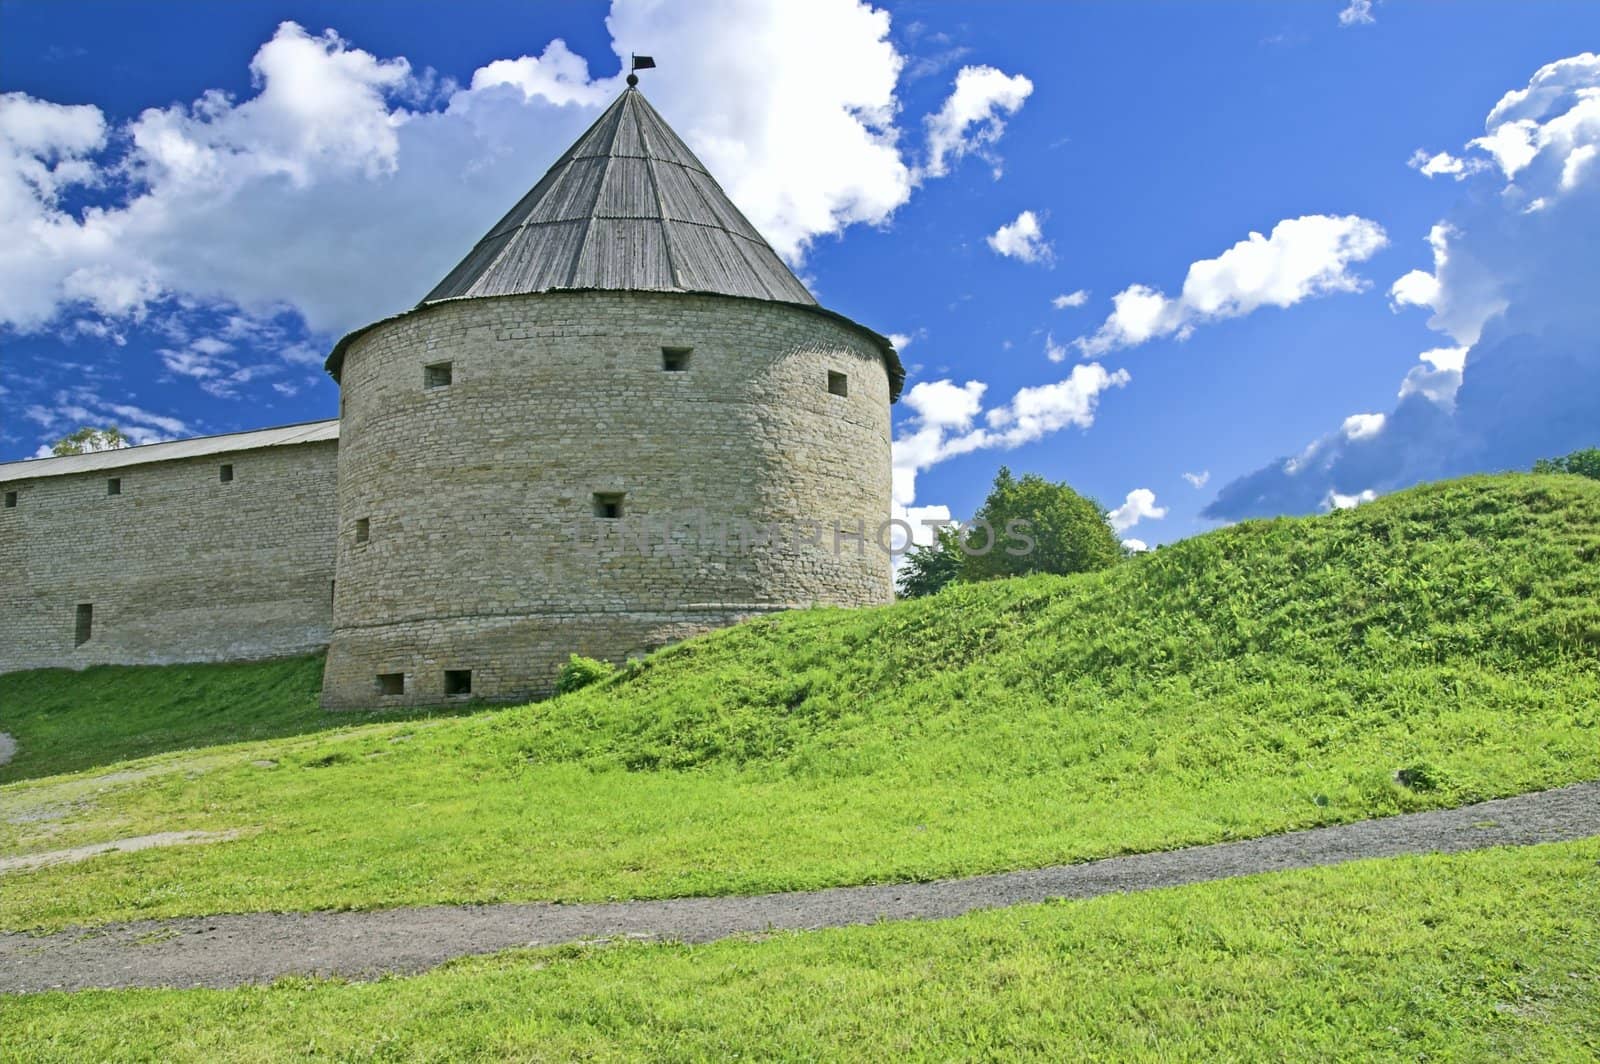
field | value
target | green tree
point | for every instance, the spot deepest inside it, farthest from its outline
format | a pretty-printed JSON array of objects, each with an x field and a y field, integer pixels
[
  {"x": 930, "y": 567},
  {"x": 1037, "y": 527},
  {"x": 89, "y": 439},
  {"x": 1583, "y": 463}
]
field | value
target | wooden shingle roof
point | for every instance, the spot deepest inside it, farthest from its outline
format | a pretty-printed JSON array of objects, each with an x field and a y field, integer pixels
[{"x": 627, "y": 207}]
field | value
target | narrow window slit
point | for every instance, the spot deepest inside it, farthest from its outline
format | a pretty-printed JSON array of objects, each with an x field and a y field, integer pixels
[
  {"x": 84, "y": 629},
  {"x": 113, "y": 485},
  {"x": 225, "y": 474},
  {"x": 363, "y": 529}
]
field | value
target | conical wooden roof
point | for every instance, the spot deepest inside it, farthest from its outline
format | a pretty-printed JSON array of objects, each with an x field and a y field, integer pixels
[{"x": 628, "y": 207}]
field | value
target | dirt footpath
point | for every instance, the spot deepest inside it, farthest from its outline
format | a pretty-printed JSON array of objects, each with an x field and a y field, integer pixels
[{"x": 224, "y": 951}]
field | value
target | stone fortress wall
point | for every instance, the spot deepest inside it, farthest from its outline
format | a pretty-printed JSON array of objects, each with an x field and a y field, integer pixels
[
  {"x": 525, "y": 477},
  {"x": 178, "y": 565},
  {"x": 619, "y": 421}
]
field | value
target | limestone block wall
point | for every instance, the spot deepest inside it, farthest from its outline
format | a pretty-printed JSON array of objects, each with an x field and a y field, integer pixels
[
  {"x": 180, "y": 566},
  {"x": 471, "y": 539}
]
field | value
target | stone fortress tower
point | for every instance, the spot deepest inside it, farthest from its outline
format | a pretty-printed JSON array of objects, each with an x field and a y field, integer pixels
[{"x": 578, "y": 439}]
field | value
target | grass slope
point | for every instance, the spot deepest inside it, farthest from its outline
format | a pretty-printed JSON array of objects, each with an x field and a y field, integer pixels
[
  {"x": 1265, "y": 677},
  {"x": 1484, "y": 956},
  {"x": 64, "y": 721}
]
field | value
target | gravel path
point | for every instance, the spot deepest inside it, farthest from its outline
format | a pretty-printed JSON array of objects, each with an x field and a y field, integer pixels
[{"x": 223, "y": 951}]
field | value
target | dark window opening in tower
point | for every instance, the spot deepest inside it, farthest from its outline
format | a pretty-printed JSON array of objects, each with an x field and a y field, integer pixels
[
  {"x": 608, "y": 505},
  {"x": 838, "y": 383},
  {"x": 436, "y": 375},
  {"x": 84, "y": 628},
  {"x": 391, "y": 683},
  {"x": 113, "y": 485},
  {"x": 675, "y": 359},
  {"x": 225, "y": 474},
  {"x": 11, "y": 500},
  {"x": 363, "y": 529},
  {"x": 458, "y": 681}
]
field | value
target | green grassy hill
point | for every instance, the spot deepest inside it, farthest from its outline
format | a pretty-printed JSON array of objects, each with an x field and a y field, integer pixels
[
  {"x": 1435, "y": 647},
  {"x": 67, "y": 721}
]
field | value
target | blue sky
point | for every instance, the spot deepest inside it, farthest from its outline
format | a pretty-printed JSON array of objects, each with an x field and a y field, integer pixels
[{"x": 183, "y": 270}]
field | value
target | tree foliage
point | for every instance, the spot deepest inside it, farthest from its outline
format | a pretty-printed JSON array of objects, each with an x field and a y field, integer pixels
[
  {"x": 929, "y": 568},
  {"x": 1584, "y": 463},
  {"x": 1069, "y": 533},
  {"x": 90, "y": 439},
  {"x": 579, "y": 672}
]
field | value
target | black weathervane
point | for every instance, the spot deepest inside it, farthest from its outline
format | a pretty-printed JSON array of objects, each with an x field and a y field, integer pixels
[{"x": 639, "y": 62}]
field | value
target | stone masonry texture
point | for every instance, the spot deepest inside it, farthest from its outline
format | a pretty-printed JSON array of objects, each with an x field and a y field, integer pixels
[
  {"x": 180, "y": 566},
  {"x": 745, "y": 484},
  {"x": 468, "y": 534}
]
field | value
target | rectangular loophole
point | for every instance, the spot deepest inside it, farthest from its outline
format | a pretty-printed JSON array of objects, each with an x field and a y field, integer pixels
[
  {"x": 11, "y": 500},
  {"x": 436, "y": 375},
  {"x": 391, "y": 683},
  {"x": 225, "y": 473},
  {"x": 838, "y": 383},
  {"x": 608, "y": 504},
  {"x": 83, "y": 629},
  {"x": 675, "y": 359},
  {"x": 458, "y": 681},
  {"x": 113, "y": 485},
  {"x": 363, "y": 529}
]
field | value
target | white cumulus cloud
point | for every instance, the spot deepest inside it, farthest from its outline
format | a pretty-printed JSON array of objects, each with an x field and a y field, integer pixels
[
  {"x": 557, "y": 76},
  {"x": 1335, "y": 501},
  {"x": 345, "y": 184},
  {"x": 1438, "y": 377},
  {"x": 1198, "y": 480},
  {"x": 948, "y": 419},
  {"x": 1138, "y": 505},
  {"x": 1511, "y": 291},
  {"x": 1436, "y": 163},
  {"x": 973, "y": 117},
  {"x": 1363, "y": 426},
  {"x": 1357, "y": 13},
  {"x": 1021, "y": 239},
  {"x": 1053, "y": 351},
  {"x": 1301, "y": 258},
  {"x": 1460, "y": 309},
  {"x": 1070, "y": 299}
]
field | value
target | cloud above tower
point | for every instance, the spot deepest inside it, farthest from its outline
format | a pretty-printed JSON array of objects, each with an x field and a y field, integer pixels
[{"x": 340, "y": 159}]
